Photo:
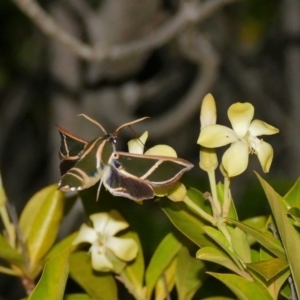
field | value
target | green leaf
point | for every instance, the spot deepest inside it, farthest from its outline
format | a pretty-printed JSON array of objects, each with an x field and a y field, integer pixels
[
  {"x": 243, "y": 288},
  {"x": 292, "y": 197},
  {"x": 198, "y": 198},
  {"x": 269, "y": 268},
  {"x": 223, "y": 243},
  {"x": 98, "y": 285},
  {"x": 77, "y": 297},
  {"x": 294, "y": 212},
  {"x": 52, "y": 284},
  {"x": 289, "y": 236},
  {"x": 240, "y": 245},
  {"x": 219, "y": 257},
  {"x": 162, "y": 257},
  {"x": 10, "y": 254},
  {"x": 133, "y": 273},
  {"x": 166, "y": 282},
  {"x": 264, "y": 238},
  {"x": 40, "y": 220},
  {"x": 257, "y": 222},
  {"x": 63, "y": 245},
  {"x": 190, "y": 274},
  {"x": 185, "y": 220}
]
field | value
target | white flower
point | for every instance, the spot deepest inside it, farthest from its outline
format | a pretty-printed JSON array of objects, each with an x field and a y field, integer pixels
[
  {"x": 243, "y": 139},
  {"x": 103, "y": 241}
]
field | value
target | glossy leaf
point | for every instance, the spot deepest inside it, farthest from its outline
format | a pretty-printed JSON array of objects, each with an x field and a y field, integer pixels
[
  {"x": 162, "y": 257},
  {"x": 98, "y": 285},
  {"x": 264, "y": 238},
  {"x": 218, "y": 257},
  {"x": 240, "y": 245},
  {"x": 222, "y": 241},
  {"x": 292, "y": 197},
  {"x": 257, "y": 222},
  {"x": 40, "y": 220},
  {"x": 166, "y": 282},
  {"x": 243, "y": 288},
  {"x": 52, "y": 283},
  {"x": 190, "y": 274},
  {"x": 288, "y": 234},
  {"x": 294, "y": 212},
  {"x": 77, "y": 297},
  {"x": 10, "y": 254},
  {"x": 269, "y": 268},
  {"x": 185, "y": 220},
  {"x": 133, "y": 274},
  {"x": 63, "y": 245}
]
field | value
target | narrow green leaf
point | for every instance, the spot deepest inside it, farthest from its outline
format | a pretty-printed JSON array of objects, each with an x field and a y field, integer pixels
[
  {"x": 77, "y": 297},
  {"x": 190, "y": 274},
  {"x": 10, "y": 254},
  {"x": 52, "y": 284},
  {"x": 63, "y": 245},
  {"x": 292, "y": 197},
  {"x": 40, "y": 220},
  {"x": 162, "y": 257},
  {"x": 166, "y": 282},
  {"x": 133, "y": 273},
  {"x": 222, "y": 242},
  {"x": 289, "y": 237},
  {"x": 294, "y": 212},
  {"x": 186, "y": 221},
  {"x": 243, "y": 288},
  {"x": 269, "y": 268},
  {"x": 264, "y": 238},
  {"x": 98, "y": 285},
  {"x": 218, "y": 257},
  {"x": 240, "y": 245}
]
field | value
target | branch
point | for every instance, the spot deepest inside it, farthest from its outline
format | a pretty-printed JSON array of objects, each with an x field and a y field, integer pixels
[{"x": 189, "y": 13}]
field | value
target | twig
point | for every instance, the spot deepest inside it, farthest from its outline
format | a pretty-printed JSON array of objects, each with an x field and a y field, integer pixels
[{"x": 190, "y": 13}]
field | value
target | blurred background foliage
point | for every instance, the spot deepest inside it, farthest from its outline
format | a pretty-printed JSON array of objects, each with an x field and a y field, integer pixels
[{"x": 241, "y": 51}]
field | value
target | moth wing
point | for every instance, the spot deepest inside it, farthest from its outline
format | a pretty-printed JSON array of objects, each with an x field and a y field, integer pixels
[
  {"x": 123, "y": 184},
  {"x": 70, "y": 149},
  {"x": 158, "y": 171},
  {"x": 88, "y": 169}
]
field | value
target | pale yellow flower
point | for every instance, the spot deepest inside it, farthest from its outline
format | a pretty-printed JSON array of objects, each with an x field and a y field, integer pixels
[
  {"x": 103, "y": 241},
  {"x": 208, "y": 160},
  {"x": 243, "y": 139}
]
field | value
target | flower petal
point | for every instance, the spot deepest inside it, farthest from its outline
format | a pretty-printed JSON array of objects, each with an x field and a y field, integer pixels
[
  {"x": 99, "y": 221},
  {"x": 235, "y": 159},
  {"x": 265, "y": 155},
  {"x": 208, "y": 113},
  {"x": 125, "y": 249},
  {"x": 177, "y": 192},
  {"x": 258, "y": 128},
  {"x": 161, "y": 150},
  {"x": 240, "y": 116},
  {"x": 108, "y": 223},
  {"x": 212, "y": 136},
  {"x": 136, "y": 146},
  {"x": 99, "y": 260},
  {"x": 86, "y": 234}
]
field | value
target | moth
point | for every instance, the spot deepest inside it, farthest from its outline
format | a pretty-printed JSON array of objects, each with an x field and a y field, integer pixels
[{"x": 123, "y": 174}]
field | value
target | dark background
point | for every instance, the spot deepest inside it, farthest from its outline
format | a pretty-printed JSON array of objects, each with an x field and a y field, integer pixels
[{"x": 241, "y": 51}]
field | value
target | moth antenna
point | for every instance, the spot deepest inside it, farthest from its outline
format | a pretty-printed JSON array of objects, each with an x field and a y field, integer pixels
[
  {"x": 93, "y": 121},
  {"x": 136, "y": 136},
  {"x": 128, "y": 124}
]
